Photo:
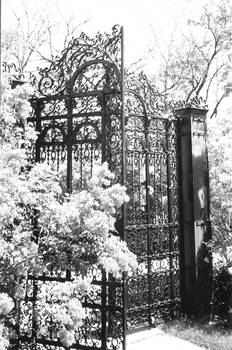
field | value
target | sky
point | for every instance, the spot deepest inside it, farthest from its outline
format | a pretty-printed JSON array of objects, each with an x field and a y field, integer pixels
[{"x": 146, "y": 23}]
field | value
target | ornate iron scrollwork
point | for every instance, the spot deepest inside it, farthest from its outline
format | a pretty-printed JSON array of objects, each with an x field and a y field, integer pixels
[
  {"x": 153, "y": 228},
  {"x": 85, "y": 64},
  {"x": 195, "y": 102},
  {"x": 14, "y": 73}
]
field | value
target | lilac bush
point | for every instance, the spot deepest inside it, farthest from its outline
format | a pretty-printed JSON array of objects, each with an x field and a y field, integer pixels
[{"x": 81, "y": 223}]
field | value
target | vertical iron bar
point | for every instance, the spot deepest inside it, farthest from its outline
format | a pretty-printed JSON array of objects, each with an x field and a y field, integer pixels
[
  {"x": 180, "y": 214},
  {"x": 103, "y": 100},
  {"x": 69, "y": 156},
  {"x": 38, "y": 109},
  {"x": 34, "y": 313},
  {"x": 123, "y": 120},
  {"x": 124, "y": 208},
  {"x": 104, "y": 278},
  {"x": 104, "y": 311},
  {"x": 160, "y": 159},
  {"x": 170, "y": 238},
  {"x": 147, "y": 159},
  {"x": 154, "y": 187},
  {"x": 69, "y": 143}
]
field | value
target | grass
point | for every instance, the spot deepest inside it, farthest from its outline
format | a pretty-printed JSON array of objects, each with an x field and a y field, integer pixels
[{"x": 208, "y": 336}]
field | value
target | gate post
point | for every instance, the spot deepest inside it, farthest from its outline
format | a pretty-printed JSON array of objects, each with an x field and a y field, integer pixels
[{"x": 196, "y": 261}]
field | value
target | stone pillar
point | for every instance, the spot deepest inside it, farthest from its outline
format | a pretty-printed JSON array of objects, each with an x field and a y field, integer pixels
[{"x": 194, "y": 192}]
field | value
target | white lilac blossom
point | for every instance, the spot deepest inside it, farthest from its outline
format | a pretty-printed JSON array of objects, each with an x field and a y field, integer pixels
[
  {"x": 6, "y": 304},
  {"x": 67, "y": 337},
  {"x": 61, "y": 303},
  {"x": 4, "y": 342}
]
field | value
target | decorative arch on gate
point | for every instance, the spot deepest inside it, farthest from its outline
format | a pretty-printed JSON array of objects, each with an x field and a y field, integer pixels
[{"x": 108, "y": 77}]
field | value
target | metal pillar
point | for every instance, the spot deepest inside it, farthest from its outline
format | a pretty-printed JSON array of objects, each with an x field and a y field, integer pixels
[{"x": 197, "y": 264}]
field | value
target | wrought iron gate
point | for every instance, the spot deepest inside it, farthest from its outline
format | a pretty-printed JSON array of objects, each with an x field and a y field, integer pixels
[
  {"x": 84, "y": 114},
  {"x": 152, "y": 227}
]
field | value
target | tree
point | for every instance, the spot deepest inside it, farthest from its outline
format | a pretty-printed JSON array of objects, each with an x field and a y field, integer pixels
[
  {"x": 43, "y": 228},
  {"x": 220, "y": 140},
  {"x": 34, "y": 42},
  {"x": 198, "y": 61},
  {"x": 220, "y": 166}
]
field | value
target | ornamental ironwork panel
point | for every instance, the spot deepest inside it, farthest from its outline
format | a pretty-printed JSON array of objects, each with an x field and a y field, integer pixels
[
  {"x": 77, "y": 114},
  {"x": 86, "y": 114},
  {"x": 152, "y": 228}
]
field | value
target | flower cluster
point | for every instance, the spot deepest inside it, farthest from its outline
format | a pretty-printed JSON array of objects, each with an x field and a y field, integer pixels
[
  {"x": 83, "y": 223},
  {"x": 4, "y": 336},
  {"x": 116, "y": 258},
  {"x": 60, "y": 302},
  {"x": 6, "y": 304},
  {"x": 15, "y": 109}
]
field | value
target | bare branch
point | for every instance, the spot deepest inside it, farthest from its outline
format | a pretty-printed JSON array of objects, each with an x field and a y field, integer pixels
[
  {"x": 212, "y": 79},
  {"x": 217, "y": 104}
]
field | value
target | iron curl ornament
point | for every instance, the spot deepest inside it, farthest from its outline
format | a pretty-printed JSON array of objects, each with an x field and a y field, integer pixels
[
  {"x": 195, "y": 102},
  {"x": 156, "y": 103},
  {"x": 14, "y": 73},
  {"x": 91, "y": 59}
]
